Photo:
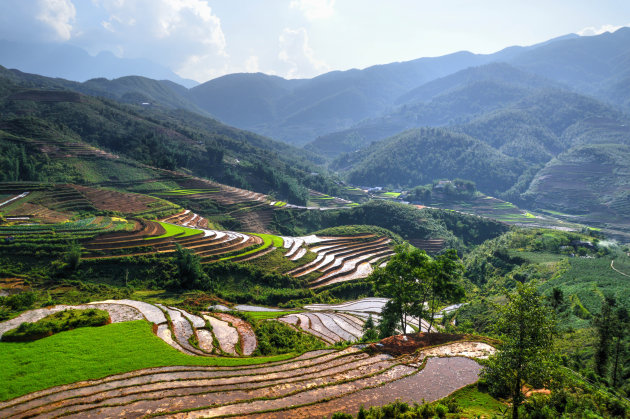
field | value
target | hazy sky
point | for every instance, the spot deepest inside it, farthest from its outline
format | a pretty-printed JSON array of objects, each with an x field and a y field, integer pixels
[{"x": 203, "y": 39}]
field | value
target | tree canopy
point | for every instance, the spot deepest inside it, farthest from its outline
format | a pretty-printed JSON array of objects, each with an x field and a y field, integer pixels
[
  {"x": 416, "y": 284},
  {"x": 527, "y": 327}
]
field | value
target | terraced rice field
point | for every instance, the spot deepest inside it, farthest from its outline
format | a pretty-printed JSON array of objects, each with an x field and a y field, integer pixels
[
  {"x": 338, "y": 258},
  {"x": 315, "y": 384},
  {"x": 126, "y": 203},
  {"x": 174, "y": 326},
  {"x": 77, "y": 230},
  {"x": 187, "y": 218},
  {"x": 341, "y": 322}
]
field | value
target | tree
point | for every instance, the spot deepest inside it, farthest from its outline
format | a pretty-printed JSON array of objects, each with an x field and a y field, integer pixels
[
  {"x": 604, "y": 323},
  {"x": 622, "y": 319},
  {"x": 527, "y": 328},
  {"x": 73, "y": 256},
  {"x": 189, "y": 270},
  {"x": 446, "y": 273},
  {"x": 369, "y": 330},
  {"x": 416, "y": 283}
]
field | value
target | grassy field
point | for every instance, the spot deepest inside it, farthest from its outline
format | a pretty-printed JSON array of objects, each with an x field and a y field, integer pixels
[
  {"x": 590, "y": 279},
  {"x": 268, "y": 240},
  {"x": 91, "y": 353},
  {"x": 264, "y": 315},
  {"x": 175, "y": 230},
  {"x": 475, "y": 404}
]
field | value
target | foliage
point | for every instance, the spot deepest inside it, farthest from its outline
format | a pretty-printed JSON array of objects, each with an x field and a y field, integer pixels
[
  {"x": 412, "y": 279},
  {"x": 277, "y": 338},
  {"x": 56, "y": 323},
  {"x": 190, "y": 274},
  {"x": 370, "y": 333},
  {"x": 604, "y": 324},
  {"x": 527, "y": 329},
  {"x": 419, "y": 156}
]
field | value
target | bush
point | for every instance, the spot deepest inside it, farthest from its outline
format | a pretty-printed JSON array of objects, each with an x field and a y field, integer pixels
[
  {"x": 277, "y": 338},
  {"x": 441, "y": 410},
  {"x": 20, "y": 302}
]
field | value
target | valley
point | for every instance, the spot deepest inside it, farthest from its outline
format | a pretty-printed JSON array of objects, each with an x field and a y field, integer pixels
[{"x": 355, "y": 243}]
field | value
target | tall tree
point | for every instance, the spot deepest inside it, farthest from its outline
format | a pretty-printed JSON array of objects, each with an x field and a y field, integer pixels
[
  {"x": 604, "y": 323},
  {"x": 619, "y": 332},
  {"x": 416, "y": 283},
  {"x": 527, "y": 328},
  {"x": 189, "y": 270}
]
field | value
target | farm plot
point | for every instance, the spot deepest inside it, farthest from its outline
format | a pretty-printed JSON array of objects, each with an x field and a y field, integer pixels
[
  {"x": 187, "y": 218},
  {"x": 315, "y": 384},
  {"x": 161, "y": 237},
  {"x": 186, "y": 332},
  {"x": 126, "y": 203},
  {"x": 342, "y": 322},
  {"x": 339, "y": 259},
  {"x": 54, "y": 237}
]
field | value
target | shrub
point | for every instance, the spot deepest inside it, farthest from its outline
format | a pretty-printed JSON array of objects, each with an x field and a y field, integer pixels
[
  {"x": 277, "y": 338},
  {"x": 21, "y": 301},
  {"x": 441, "y": 410}
]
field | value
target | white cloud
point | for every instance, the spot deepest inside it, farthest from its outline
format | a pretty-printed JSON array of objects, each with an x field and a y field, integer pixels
[
  {"x": 297, "y": 56},
  {"x": 314, "y": 9},
  {"x": 592, "y": 30},
  {"x": 59, "y": 15},
  {"x": 251, "y": 64},
  {"x": 182, "y": 34}
]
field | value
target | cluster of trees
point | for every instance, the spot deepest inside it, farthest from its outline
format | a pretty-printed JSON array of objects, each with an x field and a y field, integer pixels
[
  {"x": 457, "y": 189},
  {"x": 458, "y": 230},
  {"x": 420, "y": 156},
  {"x": 416, "y": 285},
  {"x": 612, "y": 351}
]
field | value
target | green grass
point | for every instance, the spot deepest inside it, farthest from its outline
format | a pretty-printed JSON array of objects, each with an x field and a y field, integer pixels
[
  {"x": 264, "y": 315},
  {"x": 590, "y": 279},
  {"x": 391, "y": 194},
  {"x": 268, "y": 240},
  {"x": 185, "y": 192},
  {"x": 91, "y": 353},
  {"x": 474, "y": 403},
  {"x": 175, "y": 230}
]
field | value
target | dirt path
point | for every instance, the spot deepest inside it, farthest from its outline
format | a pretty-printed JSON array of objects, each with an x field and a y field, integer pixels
[{"x": 617, "y": 270}]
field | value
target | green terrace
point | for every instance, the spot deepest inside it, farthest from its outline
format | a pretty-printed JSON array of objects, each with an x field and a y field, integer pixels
[
  {"x": 173, "y": 230},
  {"x": 90, "y": 225},
  {"x": 185, "y": 192}
]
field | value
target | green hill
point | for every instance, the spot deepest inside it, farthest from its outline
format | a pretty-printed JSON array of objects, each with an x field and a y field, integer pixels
[
  {"x": 589, "y": 180},
  {"x": 419, "y": 156},
  {"x": 163, "y": 138}
]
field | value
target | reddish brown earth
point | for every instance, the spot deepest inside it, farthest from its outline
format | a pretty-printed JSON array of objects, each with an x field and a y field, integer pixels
[{"x": 408, "y": 344}]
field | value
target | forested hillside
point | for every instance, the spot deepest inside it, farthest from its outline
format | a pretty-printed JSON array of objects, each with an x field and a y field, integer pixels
[
  {"x": 419, "y": 156},
  {"x": 168, "y": 139}
]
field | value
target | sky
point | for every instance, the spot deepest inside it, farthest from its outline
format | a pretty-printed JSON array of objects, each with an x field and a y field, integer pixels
[{"x": 204, "y": 39}]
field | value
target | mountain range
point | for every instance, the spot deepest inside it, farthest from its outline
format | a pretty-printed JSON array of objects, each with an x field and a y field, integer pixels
[{"x": 545, "y": 126}]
